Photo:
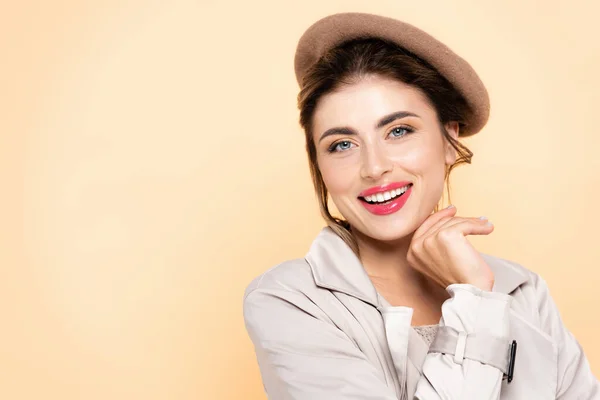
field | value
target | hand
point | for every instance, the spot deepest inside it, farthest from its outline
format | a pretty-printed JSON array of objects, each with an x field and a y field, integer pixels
[{"x": 440, "y": 250}]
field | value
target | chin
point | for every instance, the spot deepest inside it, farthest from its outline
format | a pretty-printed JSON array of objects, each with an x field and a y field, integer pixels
[
  {"x": 390, "y": 230},
  {"x": 389, "y": 234}
]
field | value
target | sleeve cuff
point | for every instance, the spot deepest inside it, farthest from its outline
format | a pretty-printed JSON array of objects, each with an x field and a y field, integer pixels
[{"x": 475, "y": 311}]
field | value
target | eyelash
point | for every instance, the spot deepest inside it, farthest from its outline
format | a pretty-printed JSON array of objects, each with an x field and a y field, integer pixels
[{"x": 409, "y": 130}]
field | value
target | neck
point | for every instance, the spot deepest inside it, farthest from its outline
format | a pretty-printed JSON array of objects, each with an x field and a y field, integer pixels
[{"x": 386, "y": 264}]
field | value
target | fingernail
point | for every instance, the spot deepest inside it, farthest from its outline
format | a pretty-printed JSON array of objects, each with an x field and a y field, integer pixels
[
  {"x": 483, "y": 218},
  {"x": 450, "y": 206},
  {"x": 489, "y": 224}
]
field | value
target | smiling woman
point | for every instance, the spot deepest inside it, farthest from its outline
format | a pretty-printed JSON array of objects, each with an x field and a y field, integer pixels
[
  {"x": 392, "y": 301},
  {"x": 415, "y": 143}
]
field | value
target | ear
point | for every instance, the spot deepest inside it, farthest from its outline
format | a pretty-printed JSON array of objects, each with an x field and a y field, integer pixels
[{"x": 449, "y": 150}]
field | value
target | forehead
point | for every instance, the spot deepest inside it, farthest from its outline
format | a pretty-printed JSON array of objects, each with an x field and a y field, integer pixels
[{"x": 362, "y": 103}]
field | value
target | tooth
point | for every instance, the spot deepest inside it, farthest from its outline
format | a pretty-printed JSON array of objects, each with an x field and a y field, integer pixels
[
  {"x": 387, "y": 196},
  {"x": 398, "y": 191},
  {"x": 368, "y": 198},
  {"x": 380, "y": 197}
]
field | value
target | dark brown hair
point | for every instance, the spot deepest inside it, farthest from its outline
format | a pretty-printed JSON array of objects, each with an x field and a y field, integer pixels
[{"x": 355, "y": 59}]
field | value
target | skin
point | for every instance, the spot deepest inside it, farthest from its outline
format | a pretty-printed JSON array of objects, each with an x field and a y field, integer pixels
[{"x": 411, "y": 255}]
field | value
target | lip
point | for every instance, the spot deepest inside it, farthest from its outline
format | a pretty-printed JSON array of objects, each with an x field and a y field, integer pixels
[
  {"x": 389, "y": 208},
  {"x": 383, "y": 188}
]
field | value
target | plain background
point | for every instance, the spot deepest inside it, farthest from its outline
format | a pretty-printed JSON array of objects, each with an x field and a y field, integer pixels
[{"x": 151, "y": 164}]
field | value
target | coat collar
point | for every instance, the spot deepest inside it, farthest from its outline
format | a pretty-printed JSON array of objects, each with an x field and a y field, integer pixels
[{"x": 335, "y": 267}]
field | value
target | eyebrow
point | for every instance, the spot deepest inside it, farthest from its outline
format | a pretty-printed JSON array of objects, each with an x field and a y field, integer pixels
[{"x": 382, "y": 122}]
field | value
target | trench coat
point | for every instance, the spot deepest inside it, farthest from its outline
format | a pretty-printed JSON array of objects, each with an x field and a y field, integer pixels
[{"x": 321, "y": 331}]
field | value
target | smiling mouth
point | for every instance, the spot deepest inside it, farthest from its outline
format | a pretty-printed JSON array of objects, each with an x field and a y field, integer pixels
[{"x": 385, "y": 197}]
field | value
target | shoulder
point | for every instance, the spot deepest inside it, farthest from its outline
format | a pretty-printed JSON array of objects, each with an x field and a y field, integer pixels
[
  {"x": 282, "y": 299},
  {"x": 510, "y": 274},
  {"x": 293, "y": 275},
  {"x": 526, "y": 287}
]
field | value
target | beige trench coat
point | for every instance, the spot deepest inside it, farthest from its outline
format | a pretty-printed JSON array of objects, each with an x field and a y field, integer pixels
[{"x": 322, "y": 332}]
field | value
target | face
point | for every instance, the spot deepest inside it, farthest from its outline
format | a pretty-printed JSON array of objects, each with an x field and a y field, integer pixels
[{"x": 382, "y": 155}]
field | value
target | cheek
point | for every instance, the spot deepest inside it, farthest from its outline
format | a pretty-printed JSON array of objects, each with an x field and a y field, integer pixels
[
  {"x": 339, "y": 175},
  {"x": 421, "y": 160}
]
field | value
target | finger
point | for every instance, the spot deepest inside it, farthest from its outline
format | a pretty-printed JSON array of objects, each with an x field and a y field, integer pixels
[
  {"x": 446, "y": 221},
  {"x": 433, "y": 219},
  {"x": 453, "y": 221},
  {"x": 465, "y": 228}
]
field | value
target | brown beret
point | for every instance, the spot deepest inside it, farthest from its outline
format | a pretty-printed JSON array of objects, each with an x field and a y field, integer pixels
[{"x": 335, "y": 29}]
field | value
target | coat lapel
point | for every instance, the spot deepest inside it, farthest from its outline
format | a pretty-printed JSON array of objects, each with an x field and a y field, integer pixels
[
  {"x": 335, "y": 267},
  {"x": 507, "y": 277}
]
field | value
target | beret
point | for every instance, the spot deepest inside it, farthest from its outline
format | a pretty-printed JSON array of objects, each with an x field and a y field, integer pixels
[{"x": 336, "y": 29}]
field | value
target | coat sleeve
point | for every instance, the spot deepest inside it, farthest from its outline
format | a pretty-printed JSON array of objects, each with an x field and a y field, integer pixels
[
  {"x": 302, "y": 355},
  {"x": 474, "y": 329},
  {"x": 575, "y": 378}
]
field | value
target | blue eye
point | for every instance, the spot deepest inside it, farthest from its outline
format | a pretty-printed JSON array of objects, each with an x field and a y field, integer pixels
[
  {"x": 342, "y": 146},
  {"x": 400, "y": 131}
]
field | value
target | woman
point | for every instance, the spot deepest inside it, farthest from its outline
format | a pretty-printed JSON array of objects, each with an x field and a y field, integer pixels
[{"x": 392, "y": 301}]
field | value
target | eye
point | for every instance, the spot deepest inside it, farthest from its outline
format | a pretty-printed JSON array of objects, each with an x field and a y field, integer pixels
[
  {"x": 340, "y": 146},
  {"x": 400, "y": 131}
]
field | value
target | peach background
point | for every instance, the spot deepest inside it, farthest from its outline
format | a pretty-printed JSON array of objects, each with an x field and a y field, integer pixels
[{"x": 151, "y": 165}]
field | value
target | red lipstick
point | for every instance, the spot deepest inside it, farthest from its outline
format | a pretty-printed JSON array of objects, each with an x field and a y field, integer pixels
[
  {"x": 382, "y": 188},
  {"x": 390, "y": 206}
]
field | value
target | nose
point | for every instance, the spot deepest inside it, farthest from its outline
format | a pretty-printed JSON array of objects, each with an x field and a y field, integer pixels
[{"x": 375, "y": 162}]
